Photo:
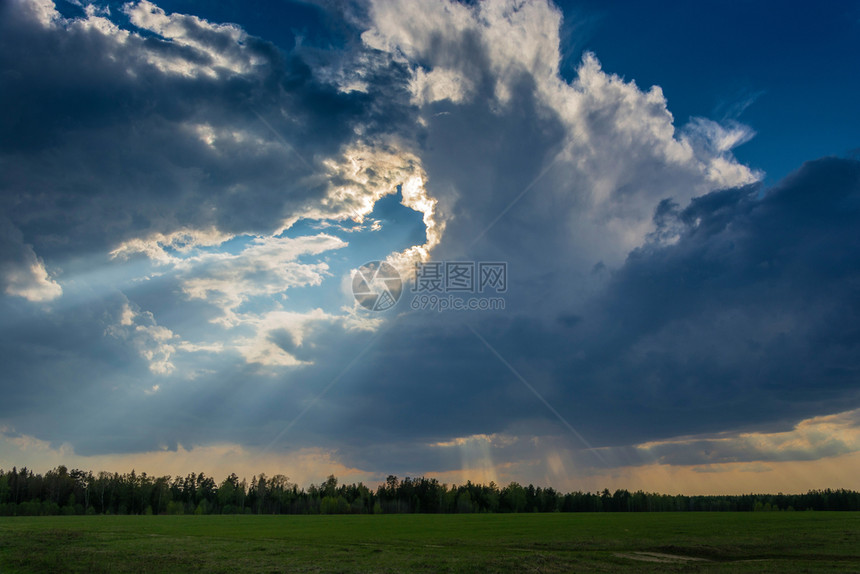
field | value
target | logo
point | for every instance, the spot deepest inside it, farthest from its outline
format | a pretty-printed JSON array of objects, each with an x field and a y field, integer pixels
[{"x": 377, "y": 286}]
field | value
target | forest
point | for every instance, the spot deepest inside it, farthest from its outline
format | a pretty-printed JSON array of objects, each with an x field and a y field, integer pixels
[{"x": 61, "y": 491}]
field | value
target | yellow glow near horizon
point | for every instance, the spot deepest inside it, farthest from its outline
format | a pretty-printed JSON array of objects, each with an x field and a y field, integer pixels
[{"x": 482, "y": 462}]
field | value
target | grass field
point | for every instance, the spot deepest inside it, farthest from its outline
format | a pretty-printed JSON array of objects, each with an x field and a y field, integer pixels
[{"x": 665, "y": 542}]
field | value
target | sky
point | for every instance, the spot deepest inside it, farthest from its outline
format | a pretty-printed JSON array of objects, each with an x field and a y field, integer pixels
[{"x": 584, "y": 245}]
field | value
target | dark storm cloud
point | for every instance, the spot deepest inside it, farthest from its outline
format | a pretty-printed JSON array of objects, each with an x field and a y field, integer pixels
[
  {"x": 642, "y": 305},
  {"x": 747, "y": 322},
  {"x": 115, "y": 134},
  {"x": 138, "y": 123},
  {"x": 750, "y": 317}
]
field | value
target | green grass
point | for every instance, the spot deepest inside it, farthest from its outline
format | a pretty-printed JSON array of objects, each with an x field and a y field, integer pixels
[{"x": 723, "y": 542}]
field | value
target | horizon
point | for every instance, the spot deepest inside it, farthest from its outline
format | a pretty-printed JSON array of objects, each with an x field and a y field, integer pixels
[{"x": 373, "y": 487}]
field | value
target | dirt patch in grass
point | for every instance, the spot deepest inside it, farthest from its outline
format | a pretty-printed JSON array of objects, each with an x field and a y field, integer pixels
[{"x": 658, "y": 557}]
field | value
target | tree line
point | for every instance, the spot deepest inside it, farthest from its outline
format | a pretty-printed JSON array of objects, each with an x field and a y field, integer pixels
[{"x": 61, "y": 491}]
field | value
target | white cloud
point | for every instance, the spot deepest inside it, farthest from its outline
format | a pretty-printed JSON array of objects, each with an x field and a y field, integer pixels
[
  {"x": 219, "y": 47},
  {"x": 22, "y": 272},
  {"x": 42, "y": 11},
  {"x": 619, "y": 155},
  {"x": 810, "y": 439},
  {"x": 268, "y": 266},
  {"x": 154, "y": 343},
  {"x": 365, "y": 173},
  {"x": 516, "y": 37},
  {"x": 715, "y": 141},
  {"x": 720, "y": 138},
  {"x": 406, "y": 29},
  {"x": 155, "y": 245},
  {"x": 437, "y": 85},
  {"x": 281, "y": 335},
  {"x": 31, "y": 282}
]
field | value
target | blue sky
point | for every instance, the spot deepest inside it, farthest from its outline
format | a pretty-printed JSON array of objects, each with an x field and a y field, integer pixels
[
  {"x": 784, "y": 70},
  {"x": 187, "y": 189}
]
